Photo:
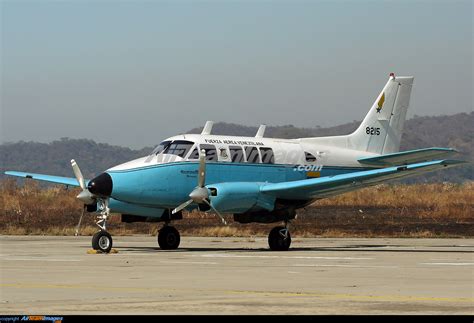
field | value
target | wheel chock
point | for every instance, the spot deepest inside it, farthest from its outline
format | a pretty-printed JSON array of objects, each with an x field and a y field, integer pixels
[{"x": 96, "y": 252}]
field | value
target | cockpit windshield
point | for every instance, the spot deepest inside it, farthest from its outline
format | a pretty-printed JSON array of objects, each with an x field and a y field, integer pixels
[
  {"x": 179, "y": 148},
  {"x": 162, "y": 146}
]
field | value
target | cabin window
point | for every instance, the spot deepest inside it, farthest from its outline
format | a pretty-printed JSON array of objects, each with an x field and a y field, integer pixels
[
  {"x": 223, "y": 153},
  {"x": 309, "y": 157},
  {"x": 179, "y": 148},
  {"x": 194, "y": 154},
  {"x": 211, "y": 152},
  {"x": 252, "y": 154},
  {"x": 267, "y": 155},
  {"x": 236, "y": 154}
]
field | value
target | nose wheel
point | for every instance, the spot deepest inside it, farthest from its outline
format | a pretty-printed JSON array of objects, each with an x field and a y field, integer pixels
[
  {"x": 279, "y": 239},
  {"x": 168, "y": 238},
  {"x": 102, "y": 241}
]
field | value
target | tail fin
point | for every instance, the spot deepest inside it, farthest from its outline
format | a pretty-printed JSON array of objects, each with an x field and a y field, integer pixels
[{"x": 381, "y": 130}]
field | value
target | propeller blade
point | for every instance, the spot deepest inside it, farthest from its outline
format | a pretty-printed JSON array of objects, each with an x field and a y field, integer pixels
[
  {"x": 78, "y": 174},
  {"x": 182, "y": 206},
  {"x": 202, "y": 168},
  {"x": 80, "y": 220},
  {"x": 217, "y": 212}
]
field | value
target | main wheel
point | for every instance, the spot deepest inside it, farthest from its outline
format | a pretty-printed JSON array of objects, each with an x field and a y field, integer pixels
[
  {"x": 168, "y": 238},
  {"x": 102, "y": 241},
  {"x": 277, "y": 241}
]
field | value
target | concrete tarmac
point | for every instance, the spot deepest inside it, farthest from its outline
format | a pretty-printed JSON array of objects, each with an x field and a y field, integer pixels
[{"x": 55, "y": 275}]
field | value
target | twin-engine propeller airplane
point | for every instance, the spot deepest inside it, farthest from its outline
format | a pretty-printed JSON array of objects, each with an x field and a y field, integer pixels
[{"x": 257, "y": 179}]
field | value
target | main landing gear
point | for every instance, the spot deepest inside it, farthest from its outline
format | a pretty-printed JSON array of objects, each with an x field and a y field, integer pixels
[
  {"x": 279, "y": 238},
  {"x": 168, "y": 238}
]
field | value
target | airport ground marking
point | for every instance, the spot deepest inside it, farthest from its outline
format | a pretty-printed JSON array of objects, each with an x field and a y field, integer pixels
[
  {"x": 322, "y": 295},
  {"x": 283, "y": 257}
]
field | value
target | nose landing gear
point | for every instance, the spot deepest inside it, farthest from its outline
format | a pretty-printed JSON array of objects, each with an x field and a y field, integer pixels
[{"x": 102, "y": 240}]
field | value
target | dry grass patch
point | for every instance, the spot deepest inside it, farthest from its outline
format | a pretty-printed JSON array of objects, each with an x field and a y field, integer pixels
[{"x": 421, "y": 210}]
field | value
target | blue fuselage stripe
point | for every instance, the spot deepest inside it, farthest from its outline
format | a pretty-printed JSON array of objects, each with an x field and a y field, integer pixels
[{"x": 168, "y": 185}]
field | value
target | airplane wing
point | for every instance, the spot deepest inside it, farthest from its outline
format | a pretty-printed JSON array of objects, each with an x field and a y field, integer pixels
[
  {"x": 331, "y": 185},
  {"x": 71, "y": 181},
  {"x": 408, "y": 157}
]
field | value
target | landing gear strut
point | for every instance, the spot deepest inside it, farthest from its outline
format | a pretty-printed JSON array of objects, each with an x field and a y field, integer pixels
[
  {"x": 279, "y": 238},
  {"x": 168, "y": 238},
  {"x": 102, "y": 240}
]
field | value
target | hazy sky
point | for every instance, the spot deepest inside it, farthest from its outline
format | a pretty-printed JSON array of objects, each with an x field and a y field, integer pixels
[{"x": 134, "y": 72}]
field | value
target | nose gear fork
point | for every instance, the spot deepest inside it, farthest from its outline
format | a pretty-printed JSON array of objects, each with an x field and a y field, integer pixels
[{"x": 103, "y": 206}]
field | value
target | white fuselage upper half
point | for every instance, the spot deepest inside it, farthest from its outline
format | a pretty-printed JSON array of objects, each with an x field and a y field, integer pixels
[{"x": 182, "y": 148}]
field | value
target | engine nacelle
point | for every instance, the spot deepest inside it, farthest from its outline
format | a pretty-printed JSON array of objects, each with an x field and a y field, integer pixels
[{"x": 239, "y": 197}]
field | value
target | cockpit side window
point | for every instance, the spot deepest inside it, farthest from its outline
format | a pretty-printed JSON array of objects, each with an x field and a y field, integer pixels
[
  {"x": 179, "y": 148},
  {"x": 237, "y": 154},
  {"x": 211, "y": 152},
  {"x": 252, "y": 154}
]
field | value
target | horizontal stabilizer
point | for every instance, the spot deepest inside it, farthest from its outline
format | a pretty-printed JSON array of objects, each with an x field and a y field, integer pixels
[
  {"x": 327, "y": 186},
  {"x": 71, "y": 181},
  {"x": 407, "y": 157}
]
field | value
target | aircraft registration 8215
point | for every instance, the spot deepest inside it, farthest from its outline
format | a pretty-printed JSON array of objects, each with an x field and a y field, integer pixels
[{"x": 257, "y": 179}]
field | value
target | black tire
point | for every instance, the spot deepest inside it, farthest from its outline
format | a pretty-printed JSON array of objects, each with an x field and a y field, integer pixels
[
  {"x": 168, "y": 238},
  {"x": 95, "y": 241},
  {"x": 277, "y": 242},
  {"x": 102, "y": 241}
]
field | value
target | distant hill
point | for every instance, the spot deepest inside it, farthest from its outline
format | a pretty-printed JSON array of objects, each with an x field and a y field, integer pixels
[
  {"x": 55, "y": 158},
  {"x": 454, "y": 131}
]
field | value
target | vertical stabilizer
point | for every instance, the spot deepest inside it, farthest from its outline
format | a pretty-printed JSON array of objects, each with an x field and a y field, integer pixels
[{"x": 382, "y": 128}]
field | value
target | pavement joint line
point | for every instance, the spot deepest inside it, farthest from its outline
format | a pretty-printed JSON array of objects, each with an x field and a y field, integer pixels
[
  {"x": 37, "y": 259},
  {"x": 283, "y": 257},
  {"x": 341, "y": 265},
  {"x": 448, "y": 263},
  {"x": 189, "y": 262},
  {"x": 384, "y": 298}
]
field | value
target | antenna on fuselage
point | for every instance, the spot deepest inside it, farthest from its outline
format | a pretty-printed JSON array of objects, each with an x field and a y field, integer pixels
[
  {"x": 207, "y": 128},
  {"x": 260, "y": 131}
]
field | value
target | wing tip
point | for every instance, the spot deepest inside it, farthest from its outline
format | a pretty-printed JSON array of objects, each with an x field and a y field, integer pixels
[{"x": 454, "y": 162}]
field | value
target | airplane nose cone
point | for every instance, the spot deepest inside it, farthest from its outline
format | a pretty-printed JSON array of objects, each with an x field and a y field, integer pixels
[{"x": 101, "y": 185}]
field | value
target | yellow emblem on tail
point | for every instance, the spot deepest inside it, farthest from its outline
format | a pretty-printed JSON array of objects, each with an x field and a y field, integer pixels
[{"x": 380, "y": 103}]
